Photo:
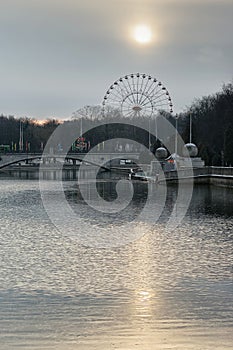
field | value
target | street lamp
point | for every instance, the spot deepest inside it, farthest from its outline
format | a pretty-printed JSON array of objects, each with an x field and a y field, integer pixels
[
  {"x": 190, "y": 128},
  {"x": 149, "y": 137},
  {"x": 20, "y": 135},
  {"x": 176, "y": 136}
]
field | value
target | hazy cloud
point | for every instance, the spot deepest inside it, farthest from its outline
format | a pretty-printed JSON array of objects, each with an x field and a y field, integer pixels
[
  {"x": 58, "y": 55},
  {"x": 210, "y": 55}
]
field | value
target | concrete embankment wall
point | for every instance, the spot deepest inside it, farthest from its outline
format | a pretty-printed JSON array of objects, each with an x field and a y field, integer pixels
[{"x": 218, "y": 176}]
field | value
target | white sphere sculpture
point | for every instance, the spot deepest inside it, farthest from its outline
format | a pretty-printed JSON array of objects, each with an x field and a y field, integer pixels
[
  {"x": 190, "y": 150},
  {"x": 161, "y": 153}
]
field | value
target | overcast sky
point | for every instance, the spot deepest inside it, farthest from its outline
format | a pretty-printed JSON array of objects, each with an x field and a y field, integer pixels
[{"x": 57, "y": 56}]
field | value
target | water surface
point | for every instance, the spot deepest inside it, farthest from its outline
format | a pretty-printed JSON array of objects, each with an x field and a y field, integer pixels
[{"x": 166, "y": 290}]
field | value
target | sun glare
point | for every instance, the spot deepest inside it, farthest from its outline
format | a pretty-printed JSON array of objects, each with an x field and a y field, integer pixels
[{"x": 142, "y": 34}]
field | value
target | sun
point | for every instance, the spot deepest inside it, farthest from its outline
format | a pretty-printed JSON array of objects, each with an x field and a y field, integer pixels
[{"x": 142, "y": 34}]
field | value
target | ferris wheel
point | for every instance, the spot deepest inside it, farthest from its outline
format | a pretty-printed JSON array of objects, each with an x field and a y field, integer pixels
[{"x": 137, "y": 95}]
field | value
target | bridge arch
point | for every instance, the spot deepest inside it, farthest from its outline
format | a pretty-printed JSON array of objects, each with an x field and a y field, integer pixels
[{"x": 2, "y": 166}]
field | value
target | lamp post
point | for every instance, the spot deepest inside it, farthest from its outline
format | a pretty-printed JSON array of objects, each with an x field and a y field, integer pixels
[
  {"x": 156, "y": 127},
  {"x": 149, "y": 137},
  {"x": 20, "y": 135},
  {"x": 81, "y": 126},
  {"x": 176, "y": 136},
  {"x": 190, "y": 128}
]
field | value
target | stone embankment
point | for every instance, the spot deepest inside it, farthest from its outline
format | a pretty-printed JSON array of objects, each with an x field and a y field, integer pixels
[{"x": 219, "y": 176}]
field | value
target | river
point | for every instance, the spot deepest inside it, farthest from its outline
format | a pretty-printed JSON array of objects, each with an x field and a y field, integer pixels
[{"x": 164, "y": 290}]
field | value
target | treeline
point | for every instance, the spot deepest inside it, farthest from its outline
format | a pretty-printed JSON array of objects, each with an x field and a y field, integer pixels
[
  {"x": 212, "y": 129},
  {"x": 35, "y": 134},
  {"x": 212, "y": 126}
]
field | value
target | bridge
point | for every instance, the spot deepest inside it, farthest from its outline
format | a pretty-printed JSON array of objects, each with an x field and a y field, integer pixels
[{"x": 102, "y": 160}]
